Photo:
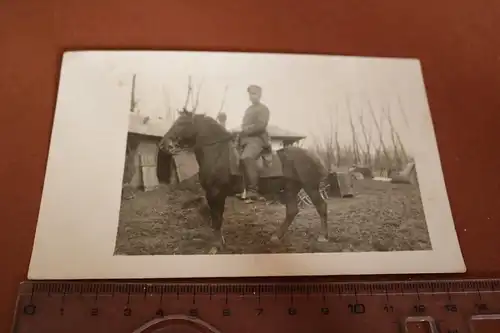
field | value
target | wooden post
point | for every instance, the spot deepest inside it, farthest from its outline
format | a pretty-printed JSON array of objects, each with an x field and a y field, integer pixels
[{"x": 133, "y": 102}]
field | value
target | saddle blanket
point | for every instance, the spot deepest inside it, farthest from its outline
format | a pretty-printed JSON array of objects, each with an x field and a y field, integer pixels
[{"x": 268, "y": 164}]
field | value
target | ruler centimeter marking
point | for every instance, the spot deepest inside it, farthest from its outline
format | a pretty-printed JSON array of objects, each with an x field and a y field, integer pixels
[{"x": 448, "y": 306}]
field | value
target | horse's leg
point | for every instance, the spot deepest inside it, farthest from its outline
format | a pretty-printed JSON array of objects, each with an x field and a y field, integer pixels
[
  {"x": 291, "y": 191},
  {"x": 322, "y": 209},
  {"x": 216, "y": 203}
]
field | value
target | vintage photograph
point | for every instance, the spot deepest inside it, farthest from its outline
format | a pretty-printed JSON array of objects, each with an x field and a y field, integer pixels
[
  {"x": 261, "y": 157},
  {"x": 220, "y": 154}
]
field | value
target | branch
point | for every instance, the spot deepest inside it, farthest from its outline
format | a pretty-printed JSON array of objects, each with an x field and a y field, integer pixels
[
  {"x": 223, "y": 100},
  {"x": 393, "y": 136},
  {"x": 367, "y": 140},
  {"x": 337, "y": 144},
  {"x": 197, "y": 100},
  {"x": 405, "y": 118},
  {"x": 381, "y": 138},
  {"x": 166, "y": 100},
  {"x": 355, "y": 147},
  {"x": 189, "y": 92},
  {"x": 396, "y": 138}
]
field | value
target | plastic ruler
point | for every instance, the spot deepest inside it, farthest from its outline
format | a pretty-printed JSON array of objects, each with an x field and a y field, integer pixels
[{"x": 445, "y": 306}]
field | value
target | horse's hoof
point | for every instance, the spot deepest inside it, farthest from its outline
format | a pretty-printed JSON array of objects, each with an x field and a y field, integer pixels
[
  {"x": 275, "y": 239},
  {"x": 213, "y": 250},
  {"x": 322, "y": 239}
]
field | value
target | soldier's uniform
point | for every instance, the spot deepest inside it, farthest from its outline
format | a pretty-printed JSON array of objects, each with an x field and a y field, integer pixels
[{"x": 253, "y": 140}]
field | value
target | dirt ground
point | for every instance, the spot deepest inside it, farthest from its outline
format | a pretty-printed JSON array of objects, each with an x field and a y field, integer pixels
[{"x": 380, "y": 217}]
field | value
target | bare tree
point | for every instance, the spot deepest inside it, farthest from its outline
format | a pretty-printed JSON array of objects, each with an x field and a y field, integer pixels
[
  {"x": 329, "y": 143},
  {"x": 405, "y": 118},
  {"x": 191, "y": 97},
  {"x": 338, "y": 158},
  {"x": 320, "y": 150},
  {"x": 396, "y": 154},
  {"x": 355, "y": 146},
  {"x": 221, "y": 116},
  {"x": 368, "y": 139},
  {"x": 223, "y": 101},
  {"x": 196, "y": 101},
  {"x": 399, "y": 148},
  {"x": 383, "y": 147},
  {"x": 170, "y": 115}
]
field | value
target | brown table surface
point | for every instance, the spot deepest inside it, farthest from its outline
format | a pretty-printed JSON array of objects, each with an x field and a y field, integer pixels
[{"x": 458, "y": 43}]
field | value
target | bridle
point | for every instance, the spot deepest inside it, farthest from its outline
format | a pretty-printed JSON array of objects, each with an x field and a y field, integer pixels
[{"x": 198, "y": 145}]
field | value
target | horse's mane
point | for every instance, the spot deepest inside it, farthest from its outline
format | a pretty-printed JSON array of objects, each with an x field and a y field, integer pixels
[{"x": 211, "y": 123}]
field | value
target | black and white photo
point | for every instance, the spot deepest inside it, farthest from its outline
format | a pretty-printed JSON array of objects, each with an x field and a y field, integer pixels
[{"x": 205, "y": 164}]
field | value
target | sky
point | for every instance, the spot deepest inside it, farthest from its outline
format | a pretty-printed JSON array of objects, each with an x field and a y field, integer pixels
[{"x": 307, "y": 94}]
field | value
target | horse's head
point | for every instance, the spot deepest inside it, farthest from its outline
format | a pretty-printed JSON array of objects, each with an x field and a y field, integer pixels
[{"x": 182, "y": 132}]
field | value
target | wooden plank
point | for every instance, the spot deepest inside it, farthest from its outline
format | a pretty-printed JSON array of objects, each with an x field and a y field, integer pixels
[
  {"x": 131, "y": 167},
  {"x": 341, "y": 184},
  {"x": 186, "y": 165},
  {"x": 173, "y": 173},
  {"x": 136, "y": 173},
  {"x": 407, "y": 176},
  {"x": 148, "y": 171}
]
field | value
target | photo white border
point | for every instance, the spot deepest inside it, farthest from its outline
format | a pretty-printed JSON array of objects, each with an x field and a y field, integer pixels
[{"x": 78, "y": 218}]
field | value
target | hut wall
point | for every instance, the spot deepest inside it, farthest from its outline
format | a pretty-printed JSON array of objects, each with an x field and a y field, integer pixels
[{"x": 141, "y": 160}]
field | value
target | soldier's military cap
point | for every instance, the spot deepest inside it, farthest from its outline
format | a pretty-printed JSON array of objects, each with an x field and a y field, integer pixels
[{"x": 254, "y": 88}]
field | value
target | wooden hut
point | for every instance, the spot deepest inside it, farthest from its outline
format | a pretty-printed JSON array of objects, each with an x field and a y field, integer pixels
[
  {"x": 142, "y": 153},
  {"x": 145, "y": 165}
]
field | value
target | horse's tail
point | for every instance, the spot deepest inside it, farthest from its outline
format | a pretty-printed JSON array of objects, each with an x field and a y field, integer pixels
[{"x": 300, "y": 165}]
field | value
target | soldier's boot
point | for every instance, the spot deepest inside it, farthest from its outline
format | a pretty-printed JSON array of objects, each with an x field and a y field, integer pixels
[{"x": 251, "y": 179}]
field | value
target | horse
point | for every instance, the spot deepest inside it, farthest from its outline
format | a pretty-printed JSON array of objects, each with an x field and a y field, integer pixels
[{"x": 214, "y": 149}]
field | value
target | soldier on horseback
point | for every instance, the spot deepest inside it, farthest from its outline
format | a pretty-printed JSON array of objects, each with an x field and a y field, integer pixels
[{"x": 253, "y": 139}]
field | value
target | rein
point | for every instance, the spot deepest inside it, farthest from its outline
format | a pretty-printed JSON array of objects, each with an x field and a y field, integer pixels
[
  {"x": 221, "y": 140},
  {"x": 224, "y": 139}
]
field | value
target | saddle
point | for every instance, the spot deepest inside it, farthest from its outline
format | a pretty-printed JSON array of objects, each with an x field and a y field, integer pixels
[{"x": 268, "y": 162}]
